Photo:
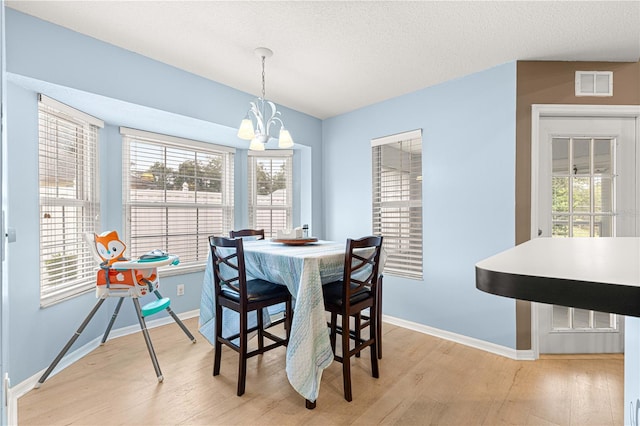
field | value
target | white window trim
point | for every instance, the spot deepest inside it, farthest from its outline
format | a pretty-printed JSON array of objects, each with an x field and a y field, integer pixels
[{"x": 70, "y": 111}]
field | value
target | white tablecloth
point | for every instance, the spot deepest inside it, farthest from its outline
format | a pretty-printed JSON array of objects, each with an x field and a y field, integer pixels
[{"x": 303, "y": 269}]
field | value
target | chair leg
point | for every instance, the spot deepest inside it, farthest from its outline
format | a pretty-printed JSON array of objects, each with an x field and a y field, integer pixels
[
  {"x": 332, "y": 335},
  {"x": 373, "y": 330},
  {"x": 242, "y": 365},
  {"x": 379, "y": 317},
  {"x": 218, "y": 344},
  {"x": 147, "y": 339},
  {"x": 260, "y": 329},
  {"x": 176, "y": 319},
  {"x": 357, "y": 319},
  {"x": 346, "y": 359},
  {"x": 113, "y": 319},
  {"x": 71, "y": 341},
  {"x": 288, "y": 321}
]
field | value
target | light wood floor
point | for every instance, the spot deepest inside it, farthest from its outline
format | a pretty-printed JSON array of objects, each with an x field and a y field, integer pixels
[{"x": 423, "y": 380}]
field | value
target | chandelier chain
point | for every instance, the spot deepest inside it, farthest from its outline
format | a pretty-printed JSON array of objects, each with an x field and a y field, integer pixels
[{"x": 263, "y": 78}]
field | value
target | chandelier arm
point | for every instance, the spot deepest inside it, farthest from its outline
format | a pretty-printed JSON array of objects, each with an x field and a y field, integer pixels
[
  {"x": 278, "y": 119},
  {"x": 274, "y": 116},
  {"x": 259, "y": 118}
]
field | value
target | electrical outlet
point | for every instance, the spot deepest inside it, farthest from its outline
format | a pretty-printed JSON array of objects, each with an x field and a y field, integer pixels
[{"x": 180, "y": 289}]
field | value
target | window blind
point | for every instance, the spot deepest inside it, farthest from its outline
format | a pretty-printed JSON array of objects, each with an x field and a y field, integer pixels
[
  {"x": 69, "y": 199},
  {"x": 176, "y": 193},
  {"x": 270, "y": 191},
  {"x": 397, "y": 201}
]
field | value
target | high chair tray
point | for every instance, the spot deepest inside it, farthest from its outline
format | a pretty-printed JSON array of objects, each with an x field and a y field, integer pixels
[{"x": 146, "y": 263}]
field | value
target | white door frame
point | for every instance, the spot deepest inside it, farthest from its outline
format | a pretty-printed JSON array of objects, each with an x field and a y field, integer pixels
[{"x": 561, "y": 110}]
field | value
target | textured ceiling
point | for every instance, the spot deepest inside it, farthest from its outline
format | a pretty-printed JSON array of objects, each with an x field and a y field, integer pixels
[{"x": 332, "y": 57}]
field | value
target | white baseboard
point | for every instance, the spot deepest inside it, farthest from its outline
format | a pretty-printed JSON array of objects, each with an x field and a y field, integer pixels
[
  {"x": 464, "y": 340},
  {"x": 25, "y": 386}
]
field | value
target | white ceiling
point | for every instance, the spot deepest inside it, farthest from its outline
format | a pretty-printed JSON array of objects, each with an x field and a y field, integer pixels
[{"x": 332, "y": 57}]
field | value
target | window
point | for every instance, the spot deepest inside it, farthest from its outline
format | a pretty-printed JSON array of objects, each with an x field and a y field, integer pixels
[
  {"x": 583, "y": 187},
  {"x": 397, "y": 201},
  {"x": 69, "y": 207},
  {"x": 270, "y": 191},
  {"x": 176, "y": 193}
]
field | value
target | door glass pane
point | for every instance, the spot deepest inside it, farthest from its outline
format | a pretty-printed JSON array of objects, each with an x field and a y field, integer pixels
[
  {"x": 602, "y": 194},
  {"x": 560, "y": 155},
  {"x": 602, "y": 158},
  {"x": 604, "y": 320},
  {"x": 560, "y": 317},
  {"x": 581, "y": 195},
  {"x": 603, "y": 226},
  {"x": 581, "y": 226},
  {"x": 581, "y": 318},
  {"x": 560, "y": 226},
  {"x": 581, "y": 156},
  {"x": 560, "y": 194}
]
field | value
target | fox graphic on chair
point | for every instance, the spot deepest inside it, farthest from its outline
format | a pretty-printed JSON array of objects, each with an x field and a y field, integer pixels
[
  {"x": 137, "y": 282},
  {"x": 121, "y": 277}
]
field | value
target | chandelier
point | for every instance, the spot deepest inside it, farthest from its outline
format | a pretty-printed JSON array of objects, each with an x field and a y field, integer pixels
[{"x": 265, "y": 114}]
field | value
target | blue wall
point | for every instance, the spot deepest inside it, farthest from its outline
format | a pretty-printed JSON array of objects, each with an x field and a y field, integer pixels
[
  {"x": 123, "y": 89},
  {"x": 468, "y": 195}
]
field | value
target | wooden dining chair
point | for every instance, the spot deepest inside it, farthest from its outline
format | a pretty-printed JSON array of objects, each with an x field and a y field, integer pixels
[
  {"x": 233, "y": 291},
  {"x": 362, "y": 321},
  {"x": 356, "y": 292},
  {"x": 257, "y": 233}
]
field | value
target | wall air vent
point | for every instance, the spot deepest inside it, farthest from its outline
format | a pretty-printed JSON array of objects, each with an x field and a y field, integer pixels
[{"x": 594, "y": 83}]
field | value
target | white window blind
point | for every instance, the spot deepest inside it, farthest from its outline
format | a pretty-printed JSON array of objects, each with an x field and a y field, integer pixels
[
  {"x": 176, "y": 193},
  {"x": 270, "y": 190},
  {"x": 69, "y": 199},
  {"x": 397, "y": 201}
]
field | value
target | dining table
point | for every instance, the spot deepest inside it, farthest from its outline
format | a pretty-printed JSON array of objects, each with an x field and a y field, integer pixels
[{"x": 303, "y": 268}]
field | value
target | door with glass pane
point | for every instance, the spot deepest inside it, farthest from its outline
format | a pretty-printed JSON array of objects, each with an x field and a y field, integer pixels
[{"x": 587, "y": 181}]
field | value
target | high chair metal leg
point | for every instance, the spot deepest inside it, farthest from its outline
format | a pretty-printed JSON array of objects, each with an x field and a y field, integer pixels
[
  {"x": 113, "y": 319},
  {"x": 69, "y": 343},
  {"x": 147, "y": 339},
  {"x": 176, "y": 319}
]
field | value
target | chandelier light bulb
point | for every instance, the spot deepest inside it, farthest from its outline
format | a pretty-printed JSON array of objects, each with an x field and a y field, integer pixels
[
  {"x": 285, "y": 140},
  {"x": 246, "y": 129},
  {"x": 256, "y": 145}
]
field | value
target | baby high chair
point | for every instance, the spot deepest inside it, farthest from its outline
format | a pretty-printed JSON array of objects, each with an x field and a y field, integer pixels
[{"x": 121, "y": 277}]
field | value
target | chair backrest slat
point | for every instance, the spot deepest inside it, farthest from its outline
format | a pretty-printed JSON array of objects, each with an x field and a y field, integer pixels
[
  {"x": 362, "y": 258},
  {"x": 257, "y": 233},
  {"x": 225, "y": 271}
]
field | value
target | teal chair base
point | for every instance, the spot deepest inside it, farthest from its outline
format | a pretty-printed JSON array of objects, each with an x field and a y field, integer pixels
[{"x": 155, "y": 306}]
